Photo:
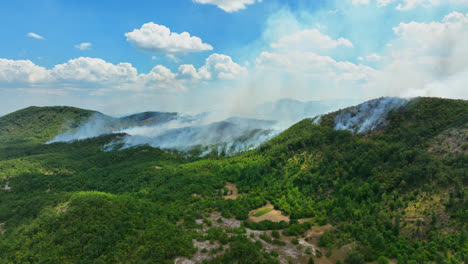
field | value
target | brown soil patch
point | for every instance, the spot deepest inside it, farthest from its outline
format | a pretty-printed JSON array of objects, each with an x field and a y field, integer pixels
[
  {"x": 318, "y": 231},
  {"x": 303, "y": 220},
  {"x": 157, "y": 167},
  {"x": 2, "y": 228},
  {"x": 233, "y": 192},
  {"x": 273, "y": 215},
  {"x": 339, "y": 253},
  {"x": 314, "y": 234}
]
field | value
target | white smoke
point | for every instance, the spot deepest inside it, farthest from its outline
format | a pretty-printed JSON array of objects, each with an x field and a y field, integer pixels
[
  {"x": 209, "y": 132},
  {"x": 368, "y": 116},
  {"x": 96, "y": 126},
  {"x": 230, "y": 136}
]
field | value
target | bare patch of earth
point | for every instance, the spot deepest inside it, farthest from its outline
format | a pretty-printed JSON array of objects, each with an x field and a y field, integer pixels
[
  {"x": 298, "y": 253},
  {"x": 301, "y": 253},
  {"x": 303, "y": 220},
  {"x": 339, "y": 253},
  {"x": 233, "y": 192},
  {"x": 273, "y": 215},
  {"x": 224, "y": 223},
  {"x": 199, "y": 256},
  {"x": 316, "y": 232}
]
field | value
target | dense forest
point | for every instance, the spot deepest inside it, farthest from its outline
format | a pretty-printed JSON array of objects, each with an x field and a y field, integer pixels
[{"x": 397, "y": 194}]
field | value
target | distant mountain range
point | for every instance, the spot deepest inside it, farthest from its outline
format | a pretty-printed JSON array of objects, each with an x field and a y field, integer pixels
[{"x": 179, "y": 131}]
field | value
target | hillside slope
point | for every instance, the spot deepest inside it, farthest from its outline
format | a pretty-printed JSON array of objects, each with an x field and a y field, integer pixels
[
  {"x": 351, "y": 196},
  {"x": 39, "y": 124}
]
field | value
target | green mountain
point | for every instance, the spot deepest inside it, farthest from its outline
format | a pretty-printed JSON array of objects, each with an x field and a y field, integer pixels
[
  {"x": 39, "y": 124},
  {"x": 325, "y": 192}
]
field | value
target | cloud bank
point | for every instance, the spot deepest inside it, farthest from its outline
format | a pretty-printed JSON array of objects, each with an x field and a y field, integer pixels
[{"x": 94, "y": 73}]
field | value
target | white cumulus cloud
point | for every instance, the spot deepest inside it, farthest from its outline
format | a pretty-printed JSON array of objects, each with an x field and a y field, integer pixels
[
  {"x": 156, "y": 38},
  {"x": 437, "y": 47},
  {"x": 93, "y": 70},
  {"x": 229, "y": 5},
  {"x": 83, "y": 46},
  {"x": 426, "y": 53},
  {"x": 34, "y": 35},
  {"x": 21, "y": 72},
  {"x": 188, "y": 71},
  {"x": 217, "y": 66},
  {"x": 100, "y": 76},
  {"x": 222, "y": 67}
]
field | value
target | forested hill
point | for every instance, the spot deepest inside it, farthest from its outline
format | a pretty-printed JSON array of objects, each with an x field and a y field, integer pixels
[
  {"x": 39, "y": 124},
  {"x": 385, "y": 181}
]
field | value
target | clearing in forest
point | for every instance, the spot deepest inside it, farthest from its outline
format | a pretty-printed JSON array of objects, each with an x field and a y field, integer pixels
[
  {"x": 267, "y": 212},
  {"x": 232, "y": 191},
  {"x": 262, "y": 212}
]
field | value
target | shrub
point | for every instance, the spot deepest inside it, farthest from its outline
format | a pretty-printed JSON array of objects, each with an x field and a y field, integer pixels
[
  {"x": 275, "y": 234},
  {"x": 295, "y": 241},
  {"x": 382, "y": 260}
]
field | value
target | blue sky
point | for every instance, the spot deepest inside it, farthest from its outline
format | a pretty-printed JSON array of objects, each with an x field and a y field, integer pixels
[
  {"x": 103, "y": 23},
  {"x": 119, "y": 57}
]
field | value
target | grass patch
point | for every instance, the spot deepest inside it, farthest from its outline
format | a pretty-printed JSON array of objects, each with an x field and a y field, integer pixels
[{"x": 262, "y": 212}]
